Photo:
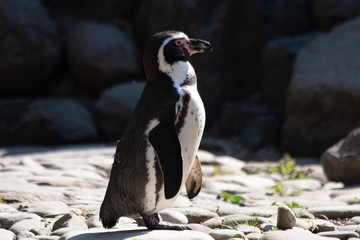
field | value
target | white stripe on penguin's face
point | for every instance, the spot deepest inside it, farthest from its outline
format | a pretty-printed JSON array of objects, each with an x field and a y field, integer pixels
[{"x": 178, "y": 71}]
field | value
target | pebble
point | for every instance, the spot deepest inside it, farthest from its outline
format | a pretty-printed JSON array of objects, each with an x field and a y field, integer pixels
[
  {"x": 6, "y": 234},
  {"x": 343, "y": 235},
  {"x": 197, "y": 215},
  {"x": 286, "y": 219},
  {"x": 173, "y": 216},
  {"x": 214, "y": 222},
  {"x": 353, "y": 228},
  {"x": 55, "y": 194},
  {"x": 254, "y": 236},
  {"x": 70, "y": 220},
  {"x": 101, "y": 234},
  {"x": 246, "y": 229},
  {"x": 27, "y": 225},
  {"x": 8, "y": 219},
  {"x": 336, "y": 211},
  {"x": 223, "y": 234},
  {"x": 293, "y": 235},
  {"x": 322, "y": 225}
]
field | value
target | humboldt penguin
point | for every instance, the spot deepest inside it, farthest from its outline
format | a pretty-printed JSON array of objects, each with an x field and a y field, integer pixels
[{"x": 157, "y": 152}]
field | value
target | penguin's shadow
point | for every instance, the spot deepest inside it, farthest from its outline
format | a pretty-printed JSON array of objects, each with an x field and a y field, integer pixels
[{"x": 111, "y": 235}]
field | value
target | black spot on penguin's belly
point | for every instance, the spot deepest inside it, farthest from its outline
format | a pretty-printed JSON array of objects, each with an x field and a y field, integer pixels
[{"x": 185, "y": 105}]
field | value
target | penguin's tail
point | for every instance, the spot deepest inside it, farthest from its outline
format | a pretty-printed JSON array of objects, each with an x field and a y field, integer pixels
[{"x": 108, "y": 213}]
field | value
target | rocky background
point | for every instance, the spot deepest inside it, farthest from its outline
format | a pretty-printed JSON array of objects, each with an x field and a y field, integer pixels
[{"x": 284, "y": 73}]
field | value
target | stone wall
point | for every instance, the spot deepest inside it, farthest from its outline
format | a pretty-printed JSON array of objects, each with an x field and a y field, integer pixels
[{"x": 75, "y": 56}]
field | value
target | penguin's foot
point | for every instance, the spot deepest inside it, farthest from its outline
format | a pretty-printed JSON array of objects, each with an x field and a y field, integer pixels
[{"x": 154, "y": 221}]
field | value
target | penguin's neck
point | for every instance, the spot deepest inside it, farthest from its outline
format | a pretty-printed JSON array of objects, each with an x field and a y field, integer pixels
[{"x": 181, "y": 73}]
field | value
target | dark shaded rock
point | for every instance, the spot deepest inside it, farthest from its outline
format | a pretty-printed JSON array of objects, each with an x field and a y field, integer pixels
[
  {"x": 95, "y": 8},
  {"x": 286, "y": 218},
  {"x": 114, "y": 108},
  {"x": 341, "y": 162},
  {"x": 292, "y": 17},
  {"x": 329, "y": 13},
  {"x": 279, "y": 56},
  {"x": 45, "y": 121},
  {"x": 324, "y": 94},
  {"x": 29, "y": 46},
  {"x": 100, "y": 54},
  {"x": 285, "y": 17},
  {"x": 256, "y": 125}
]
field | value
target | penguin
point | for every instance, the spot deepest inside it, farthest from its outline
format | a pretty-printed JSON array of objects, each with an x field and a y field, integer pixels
[{"x": 157, "y": 152}]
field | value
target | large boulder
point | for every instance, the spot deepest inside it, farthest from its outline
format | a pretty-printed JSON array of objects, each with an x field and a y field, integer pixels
[
  {"x": 323, "y": 97},
  {"x": 341, "y": 162},
  {"x": 100, "y": 54},
  {"x": 29, "y": 46},
  {"x": 45, "y": 121},
  {"x": 114, "y": 108},
  {"x": 278, "y": 59},
  {"x": 329, "y": 13}
]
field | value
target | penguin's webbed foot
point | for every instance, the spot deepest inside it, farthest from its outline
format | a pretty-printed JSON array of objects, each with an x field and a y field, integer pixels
[{"x": 154, "y": 221}]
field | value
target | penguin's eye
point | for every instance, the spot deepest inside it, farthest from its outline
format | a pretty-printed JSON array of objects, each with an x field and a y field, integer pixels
[{"x": 178, "y": 42}]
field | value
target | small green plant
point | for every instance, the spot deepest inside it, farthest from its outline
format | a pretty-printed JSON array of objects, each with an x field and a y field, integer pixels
[
  {"x": 273, "y": 228},
  {"x": 286, "y": 167},
  {"x": 217, "y": 170},
  {"x": 233, "y": 225},
  {"x": 278, "y": 188},
  {"x": 357, "y": 200},
  {"x": 46, "y": 222},
  {"x": 294, "y": 205},
  {"x": 231, "y": 198},
  {"x": 237, "y": 235},
  {"x": 254, "y": 222}
]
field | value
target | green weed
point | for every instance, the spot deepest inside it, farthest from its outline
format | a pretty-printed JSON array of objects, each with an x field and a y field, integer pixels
[{"x": 231, "y": 198}]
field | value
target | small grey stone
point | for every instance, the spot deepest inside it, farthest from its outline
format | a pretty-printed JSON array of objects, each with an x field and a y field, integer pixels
[
  {"x": 197, "y": 215},
  {"x": 293, "y": 235},
  {"x": 26, "y": 225},
  {"x": 214, "y": 222},
  {"x": 49, "y": 208},
  {"x": 102, "y": 234},
  {"x": 343, "y": 235},
  {"x": 254, "y": 236},
  {"x": 286, "y": 218},
  {"x": 173, "y": 216},
  {"x": 93, "y": 221},
  {"x": 70, "y": 220},
  {"x": 222, "y": 234},
  {"x": 199, "y": 228},
  {"x": 62, "y": 231},
  {"x": 246, "y": 229},
  {"x": 353, "y": 220},
  {"x": 322, "y": 225},
  {"x": 4, "y": 208},
  {"x": 353, "y": 228},
  {"x": 40, "y": 231},
  {"x": 302, "y": 213},
  {"x": 8, "y": 219},
  {"x": 45, "y": 237},
  {"x": 6, "y": 235},
  {"x": 336, "y": 211},
  {"x": 25, "y": 234},
  {"x": 244, "y": 219}
]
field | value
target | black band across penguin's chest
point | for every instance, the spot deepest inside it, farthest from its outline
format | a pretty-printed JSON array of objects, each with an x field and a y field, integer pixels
[{"x": 183, "y": 111}]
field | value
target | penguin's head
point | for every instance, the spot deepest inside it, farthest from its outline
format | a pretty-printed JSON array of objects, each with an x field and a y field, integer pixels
[{"x": 168, "y": 48}]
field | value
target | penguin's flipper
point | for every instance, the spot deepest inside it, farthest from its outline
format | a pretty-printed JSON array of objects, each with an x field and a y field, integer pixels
[
  {"x": 164, "y": 139},
  {"x": 194, "y": 180}
]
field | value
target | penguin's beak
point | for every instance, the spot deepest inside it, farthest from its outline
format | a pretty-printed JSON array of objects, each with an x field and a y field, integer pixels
[{"x": 198, "y": 46}]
